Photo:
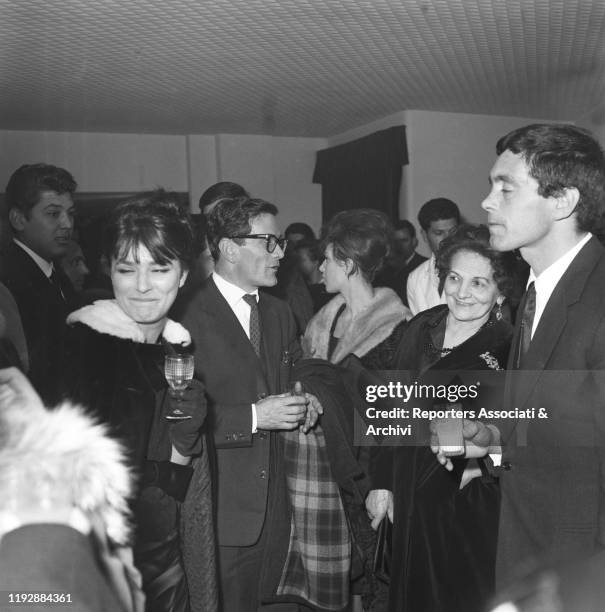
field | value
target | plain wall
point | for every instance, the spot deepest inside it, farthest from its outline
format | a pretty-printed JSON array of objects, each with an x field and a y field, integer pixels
[
  {"x": 451, "y": 155},
  {"x": 274, "y": 168},
  {"x": 277, "y": 169},
  {"x": 98, "y": 161},
  {"x": 595, "y": 122},
  {"x": 297, "y": 197},
  {"x": 202, "y": 166}
]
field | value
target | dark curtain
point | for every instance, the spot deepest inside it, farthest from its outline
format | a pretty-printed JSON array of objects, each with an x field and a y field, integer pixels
[{"x": 363, "y": 173}]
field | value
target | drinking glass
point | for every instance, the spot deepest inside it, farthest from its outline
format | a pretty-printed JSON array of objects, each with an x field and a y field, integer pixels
[{"x": 178, "y": 370}]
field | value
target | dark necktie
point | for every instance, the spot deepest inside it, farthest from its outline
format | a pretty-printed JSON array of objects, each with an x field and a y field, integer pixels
[
  {"x": 527, "y": 319},
  {"x": 56, "y": 283},
  {"x": 255, "y": 332}
]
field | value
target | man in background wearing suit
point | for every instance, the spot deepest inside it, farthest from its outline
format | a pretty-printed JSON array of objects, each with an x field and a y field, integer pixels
[
  {"x": 245, "y": 343},
  {"x": 402, "y": 260},
  {"x": 438, "y": 218},
  {"x": 41, "y": 210},
  {"x": 547, "y": 193}
]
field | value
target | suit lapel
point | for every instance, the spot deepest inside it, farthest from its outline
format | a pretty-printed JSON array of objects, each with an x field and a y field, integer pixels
[
  {"x": 29, "y": 273},
  {"x": 31, "y": 276},
  {"x": 553, "y": 320},
  {"x": 216, "y": 308},
  {"x": 67, "y": 290}
]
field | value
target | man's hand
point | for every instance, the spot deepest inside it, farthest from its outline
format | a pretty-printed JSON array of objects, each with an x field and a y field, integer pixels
[
  {"x": 15, "y": 388},
  {"x": 282, "y": 411},
  {"x": 479, "y": 439},
  {"x": 379, "y": 503},
  {"x": 314, "y": 409}
]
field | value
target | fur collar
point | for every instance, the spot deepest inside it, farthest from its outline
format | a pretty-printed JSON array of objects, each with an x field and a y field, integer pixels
[
  {"x": 367, "y": 330},
  {"x": 62, "y": 456},
  {"x": 106, "y": 317}
]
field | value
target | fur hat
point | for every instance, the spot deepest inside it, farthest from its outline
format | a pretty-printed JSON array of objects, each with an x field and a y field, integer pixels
[{"x": 62, "y": 456}]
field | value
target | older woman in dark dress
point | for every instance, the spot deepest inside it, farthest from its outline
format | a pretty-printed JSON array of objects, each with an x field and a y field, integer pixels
[
  {"x": 443, "y": 545},
  {"x": 115, "y": 367}
]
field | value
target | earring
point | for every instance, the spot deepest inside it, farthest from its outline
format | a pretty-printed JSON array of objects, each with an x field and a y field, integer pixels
[{"x": 499, "y": 311}]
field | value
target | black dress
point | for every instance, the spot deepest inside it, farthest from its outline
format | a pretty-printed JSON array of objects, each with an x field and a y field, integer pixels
[
  {"x": 444, "y": 538},
  {"x": 374, "y": 592},
  {"x": 122, "y": 383}
]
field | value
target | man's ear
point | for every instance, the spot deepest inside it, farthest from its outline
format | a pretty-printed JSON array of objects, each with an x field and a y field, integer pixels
[
  {"x": 229, "y": 250},
  {"x": 415, "y": 241},
  {"x": 566, "y": 202},
  {"x": 424, "y": 236},
  {"x": 17, "y": 219}
]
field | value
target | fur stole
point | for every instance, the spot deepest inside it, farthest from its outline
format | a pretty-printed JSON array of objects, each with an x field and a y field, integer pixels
[
  {"x": 62, "y": 456},
  {"x": 368, "y": 329},
  {"x": 106, "y": 317}
]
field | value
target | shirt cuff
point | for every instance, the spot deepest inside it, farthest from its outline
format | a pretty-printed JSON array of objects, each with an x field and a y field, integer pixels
[
  {"x": 495, "y": 450},
  {"x": 254, "y": 419}
]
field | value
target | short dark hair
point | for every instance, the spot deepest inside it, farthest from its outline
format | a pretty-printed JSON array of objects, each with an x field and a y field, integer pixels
[
  {"x": 475, "y": 238},
  {"x": 562, "y": 156},
  {"x": 155, "y": 220},
  {"x": 233, "y": 217},
  {"x": 313, "y": 247},
  {"x": 27, "y": 183},
  {"x": 218, "y": 191},
  {"x": 362, "y": 235},
  {"x": 404, "y": 224},
  {"x": 300, "y": 228},
  {"x": 436, "y": 210}
]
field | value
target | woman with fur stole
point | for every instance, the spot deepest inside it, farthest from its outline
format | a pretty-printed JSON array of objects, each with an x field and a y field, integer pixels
[
  {"x": 363, "y": 321},
  {"x": 115, "y": 368}
]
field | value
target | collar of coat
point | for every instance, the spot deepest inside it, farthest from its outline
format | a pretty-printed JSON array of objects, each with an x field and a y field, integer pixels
[
  {"x": 106, "y": 317},
  {"x": 365, "y": 331}
]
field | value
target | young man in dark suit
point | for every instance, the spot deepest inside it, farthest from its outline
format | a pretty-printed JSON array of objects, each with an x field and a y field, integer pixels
[
  {"x": 547, "y": 190},
  {"x": 41, "y": 209},
  {"x": 245, "y": 343},
  {"x": 402, "y": 260},
  {"x": 438, "y": 218}
]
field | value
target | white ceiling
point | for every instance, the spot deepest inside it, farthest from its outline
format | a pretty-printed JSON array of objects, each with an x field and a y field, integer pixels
[{"x": 293, "y": 67}]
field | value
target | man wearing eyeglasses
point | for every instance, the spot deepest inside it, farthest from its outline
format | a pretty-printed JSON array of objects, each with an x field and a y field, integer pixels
[{"x": 245, "y": 344}]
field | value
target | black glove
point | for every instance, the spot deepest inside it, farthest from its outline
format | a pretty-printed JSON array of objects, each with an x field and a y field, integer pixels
[
  {"x": 172, "y": 478},
  {"x": 185, "y": 434}
]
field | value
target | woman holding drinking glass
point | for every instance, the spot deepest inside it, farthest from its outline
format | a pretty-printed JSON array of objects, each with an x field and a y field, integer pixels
[{"x": 117, "y": 351}]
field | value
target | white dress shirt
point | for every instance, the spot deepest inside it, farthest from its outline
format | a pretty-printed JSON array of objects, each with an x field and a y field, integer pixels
[
  {"x": 547, "y": 281},
  {"x": 234, "y": 296},
  {"x": 423, "y": 287}
]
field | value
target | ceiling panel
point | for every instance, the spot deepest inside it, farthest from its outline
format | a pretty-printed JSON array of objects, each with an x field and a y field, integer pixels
[{"x": 293, "y": 67}]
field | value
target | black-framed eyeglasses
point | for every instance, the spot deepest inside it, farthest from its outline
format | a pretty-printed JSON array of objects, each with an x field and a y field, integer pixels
[{"x": 271, "y": 240}]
